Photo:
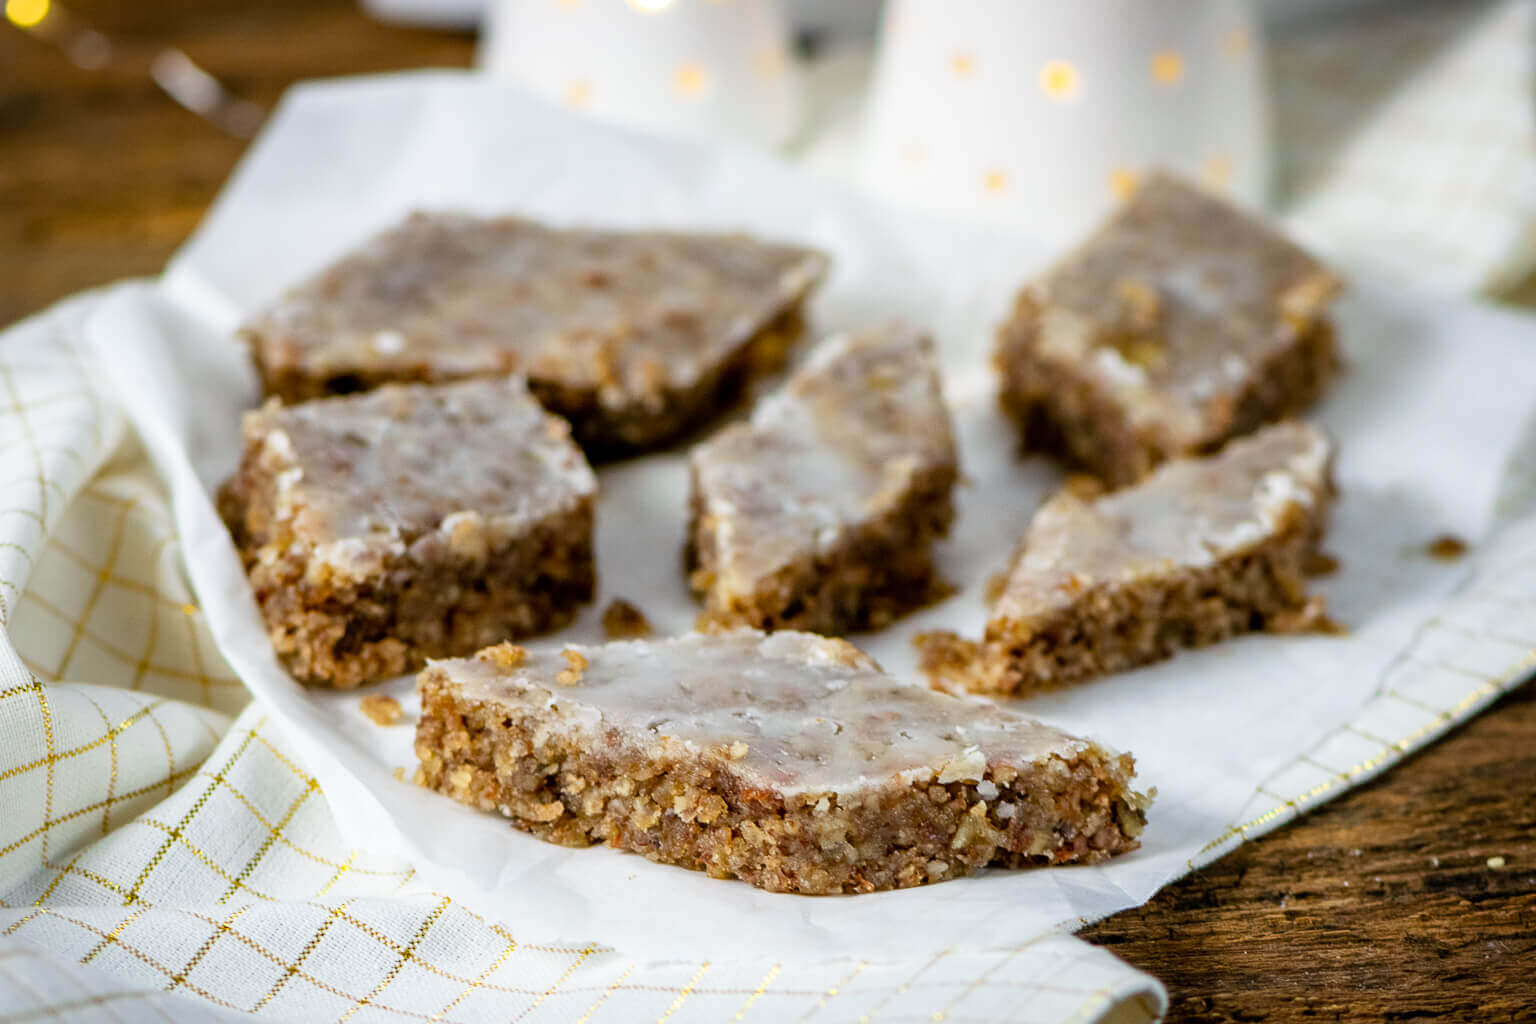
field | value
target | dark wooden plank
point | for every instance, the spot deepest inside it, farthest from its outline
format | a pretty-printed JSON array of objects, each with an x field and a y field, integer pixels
[
  {"x": 1381, "y": 906},
  {"x": 102, "y": 176}
]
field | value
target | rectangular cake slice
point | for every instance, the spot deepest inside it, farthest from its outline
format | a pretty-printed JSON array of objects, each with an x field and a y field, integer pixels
[
  {"x": 789, "y": 760},
  {"x": 414, "y": 521},
  {"x": 631, "y": 336},
  {"x": 820, "y": 513},
  {"x": 1181, "y": 323},
  {"x": 1200, "y": 550}
]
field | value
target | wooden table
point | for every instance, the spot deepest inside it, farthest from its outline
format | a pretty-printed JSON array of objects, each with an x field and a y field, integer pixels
[{"x": 1381, "y": 905}]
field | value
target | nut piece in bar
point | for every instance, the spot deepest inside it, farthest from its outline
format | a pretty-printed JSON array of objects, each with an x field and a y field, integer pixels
[
  {"x": 790, "y": 761},
  {"x": 631, "y": 336},
  {"x": 1200, "y": 550},
  {"x": 820, "y": 513},
  {"x": 415, "y": 521},
  {"x": 1181, "y": 323}
]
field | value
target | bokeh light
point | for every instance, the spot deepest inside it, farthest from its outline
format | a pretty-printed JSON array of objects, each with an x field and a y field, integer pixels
[{"x": 26, "y": 13}]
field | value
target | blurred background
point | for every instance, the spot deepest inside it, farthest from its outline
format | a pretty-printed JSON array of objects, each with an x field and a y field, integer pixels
[{"x": 1395, "y": 137}]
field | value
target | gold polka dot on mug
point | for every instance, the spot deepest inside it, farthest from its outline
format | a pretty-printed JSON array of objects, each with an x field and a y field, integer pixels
[
  {"x": 1167, "y": 68},
  {"x": 1217, "y": 171},
  {"x": 1123, "y": 181},
  {"x": 578, "y": 94},
  {"x": 690, "y": 79},
  {"x": 1058, "y": 79}
]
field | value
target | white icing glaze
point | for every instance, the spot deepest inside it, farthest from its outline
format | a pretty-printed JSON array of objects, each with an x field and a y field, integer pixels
[
  {"x": 1187, "y": 513},
  {"x": 841, "y": 444},
  {"x": 816, "y": 715},
  {"x": 388, "y": 343},
  {"x": 361, "y": 479},
  {"x": 1125, "y": 374},
  {"x": 447, "y": 295}
]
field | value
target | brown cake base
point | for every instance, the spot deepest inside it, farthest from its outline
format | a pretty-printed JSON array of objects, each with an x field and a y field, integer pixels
[
  {"x": 604, "y": 431},
  {"x": 1064, "y": 413},
  {"x": 345, "y": 634},
  {"x": 690, "y": 810}
]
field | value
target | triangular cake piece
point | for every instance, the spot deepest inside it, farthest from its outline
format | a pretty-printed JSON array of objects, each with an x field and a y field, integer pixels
[
  {"x": 790, "y": 761},
  {"x": 820, "y": 513},
  {"x": 1202, "y": 549},
  {"x": 631, "y": 336},
  {"x": 1181, "y": 323}
]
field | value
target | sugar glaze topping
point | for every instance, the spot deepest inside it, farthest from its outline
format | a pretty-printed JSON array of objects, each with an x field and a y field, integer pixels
[
  {"x": 839, "y": 445},
  {"x": 362, "y": 477},
  {"x": 1187, "y": 513},
  {"x": 445, "y": 295},
  {"x": 797, "y": 713}
]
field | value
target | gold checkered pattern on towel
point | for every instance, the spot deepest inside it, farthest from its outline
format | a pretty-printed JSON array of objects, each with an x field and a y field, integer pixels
[{"x": 1405, "y": 140}]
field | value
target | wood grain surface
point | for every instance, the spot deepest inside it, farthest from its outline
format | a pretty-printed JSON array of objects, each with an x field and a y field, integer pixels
[{"x": 1382, "y": 906}]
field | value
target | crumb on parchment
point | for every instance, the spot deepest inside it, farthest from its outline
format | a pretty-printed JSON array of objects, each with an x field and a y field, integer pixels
[
  {"x": 1320, "y": 563},
  {"x": 503, "y": 655},
  {"x": 577, "y": 663},
  {"x": 1446, "y": 548},
  {"x": 623, "y": 621},
  {"x": 382, "y": 709},
  {"x": 945, "y": 656},
  {"x": 1311, "y": 617}
]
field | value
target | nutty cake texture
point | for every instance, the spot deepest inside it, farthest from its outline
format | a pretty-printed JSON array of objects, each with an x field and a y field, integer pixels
[
  {"x": 790, "y": 761},
  {"x": 820, "y": 513},
  {"x": 1202, "y": 549},
  {"x": 414, "y": 521},
  {"x": 631, "y": 336},
  {"x": 1181, "y": 323}
]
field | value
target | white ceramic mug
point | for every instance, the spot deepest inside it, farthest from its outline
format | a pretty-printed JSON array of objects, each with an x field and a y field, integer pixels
[
  {"x": 1043, "y": 114},
  {"x": 694, "y": 67}
]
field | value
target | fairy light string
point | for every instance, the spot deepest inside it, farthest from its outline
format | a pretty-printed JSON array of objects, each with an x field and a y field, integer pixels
[{"x": 177, "y": 74}]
